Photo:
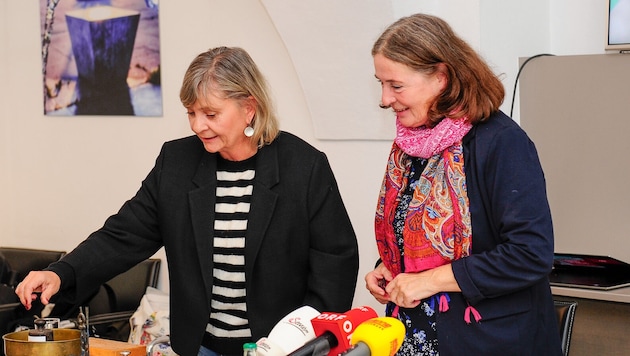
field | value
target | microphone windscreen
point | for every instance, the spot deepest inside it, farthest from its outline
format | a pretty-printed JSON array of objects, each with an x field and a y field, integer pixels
[
  {"x": 342, "y": 325},
  {"x": 294, "y": 330},
  {"x": 383, "y": 336},
  {"x": 266, "y": 347}
]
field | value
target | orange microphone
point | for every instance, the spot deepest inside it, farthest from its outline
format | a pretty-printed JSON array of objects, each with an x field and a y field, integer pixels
[{"x": 380, "y": 336}]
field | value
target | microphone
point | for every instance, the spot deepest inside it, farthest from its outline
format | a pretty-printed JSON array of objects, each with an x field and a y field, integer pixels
[
  {"x": 291, "y": 332},
  {"x": 381, "y": 336},
  {"x": 334, "y": 332},
  {"x": 267, "y": 347}
]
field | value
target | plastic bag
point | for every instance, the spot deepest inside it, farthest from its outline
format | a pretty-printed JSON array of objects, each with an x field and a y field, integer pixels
[{"x": 151, "y": 319}]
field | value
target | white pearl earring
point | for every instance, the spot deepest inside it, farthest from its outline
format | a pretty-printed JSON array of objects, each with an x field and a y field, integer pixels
[{"x": 249, "y": 131}]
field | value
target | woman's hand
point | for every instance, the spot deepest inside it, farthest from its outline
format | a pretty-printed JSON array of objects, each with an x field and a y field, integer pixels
[
  {"x": 46, "y": 282},
  {"x": 408, "y": 289},
  {"x": 375, "y": 282}
]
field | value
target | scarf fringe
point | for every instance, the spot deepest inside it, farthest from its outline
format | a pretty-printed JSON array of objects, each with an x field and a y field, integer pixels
[
  {"x": 442, "y": 300},
  {"x": 471, "y": 310}
]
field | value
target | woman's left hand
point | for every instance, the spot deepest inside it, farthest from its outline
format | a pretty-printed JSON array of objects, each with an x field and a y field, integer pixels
[{"x": 408, "y": 289}]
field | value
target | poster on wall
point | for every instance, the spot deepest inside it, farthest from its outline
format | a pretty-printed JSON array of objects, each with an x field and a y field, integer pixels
[{"x": 101, "y": 57}]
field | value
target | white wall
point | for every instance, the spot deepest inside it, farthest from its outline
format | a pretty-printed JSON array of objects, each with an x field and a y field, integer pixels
[
  {"x": 4, "y": 143},
  {"x": 60, "y": 177}
]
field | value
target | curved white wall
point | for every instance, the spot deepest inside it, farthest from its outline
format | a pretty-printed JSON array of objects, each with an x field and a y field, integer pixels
[{"x": 60, "y": 177}]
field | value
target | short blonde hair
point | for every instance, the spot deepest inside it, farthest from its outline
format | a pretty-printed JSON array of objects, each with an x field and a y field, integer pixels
[
  {"x": 231, "y": 71},
  {"x": 423, "y": 42}
]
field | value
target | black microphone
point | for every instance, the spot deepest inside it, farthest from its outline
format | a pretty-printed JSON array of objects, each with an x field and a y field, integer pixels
[{"x": 319, "y": 346}]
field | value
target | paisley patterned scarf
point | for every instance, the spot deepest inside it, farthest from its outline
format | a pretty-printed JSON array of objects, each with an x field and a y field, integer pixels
[{"x": 437, "y": 226}]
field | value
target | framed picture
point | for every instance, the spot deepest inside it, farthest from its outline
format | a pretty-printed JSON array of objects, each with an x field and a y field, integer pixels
[{"x": 101, "y": 57}]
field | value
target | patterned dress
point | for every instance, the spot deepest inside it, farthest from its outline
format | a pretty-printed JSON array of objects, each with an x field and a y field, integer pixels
[{"x": 420, "y": 322}]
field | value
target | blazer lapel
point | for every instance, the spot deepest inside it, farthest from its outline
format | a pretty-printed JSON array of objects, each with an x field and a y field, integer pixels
[
  {"x": 263, "y": 204},
  {"x": 202, "y": 201}
]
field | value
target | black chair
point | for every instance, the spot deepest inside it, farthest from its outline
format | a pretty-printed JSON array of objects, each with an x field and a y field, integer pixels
[
  {"x": 565, "y": 311},
  {"x": 21, "y": 261},
  {"x": 24, "y": 260},
  {"x": 7, "y": 315},
  {"x": 116, "y": 301}
]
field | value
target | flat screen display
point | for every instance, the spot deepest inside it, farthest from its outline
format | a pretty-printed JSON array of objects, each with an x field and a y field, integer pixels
[
  {"x": 618, "y": 25},
  {"x": 589, "y": 271}
]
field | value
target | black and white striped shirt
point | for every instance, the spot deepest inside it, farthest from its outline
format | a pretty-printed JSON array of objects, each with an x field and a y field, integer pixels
[{"x": 228, "y": 310}]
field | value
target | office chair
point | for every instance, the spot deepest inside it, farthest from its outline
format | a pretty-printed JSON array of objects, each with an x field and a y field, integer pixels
[
  {"x": 21, "y": 261},
  {"x": 565, "y": 311},
  {"x": 24, "y": 260},
  {"x": 116, "y": 301},
  {"x": 7, "y": 315}
]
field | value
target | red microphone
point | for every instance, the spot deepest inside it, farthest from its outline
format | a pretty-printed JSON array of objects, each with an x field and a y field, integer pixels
[{"x": 334, "y": 332}]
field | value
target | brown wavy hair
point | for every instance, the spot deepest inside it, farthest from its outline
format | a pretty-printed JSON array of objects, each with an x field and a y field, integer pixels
[{"x": 423, "y": 42}]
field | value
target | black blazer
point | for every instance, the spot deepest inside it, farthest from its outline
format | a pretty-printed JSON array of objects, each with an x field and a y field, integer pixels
[{"x": 300, "y": 245}]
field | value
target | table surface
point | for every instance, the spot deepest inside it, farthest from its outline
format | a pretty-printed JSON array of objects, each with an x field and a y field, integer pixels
[{"x": 621, "y": 295}]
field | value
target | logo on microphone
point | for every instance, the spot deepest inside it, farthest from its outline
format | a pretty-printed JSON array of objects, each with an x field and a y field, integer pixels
[
  {"x": 331, "y": 316},
  {"x": 298, "y": 324},
  {"x": 380, "y": 324}
]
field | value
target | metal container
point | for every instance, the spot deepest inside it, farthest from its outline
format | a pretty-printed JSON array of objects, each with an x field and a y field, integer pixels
[{"x": 67, "y": 342}]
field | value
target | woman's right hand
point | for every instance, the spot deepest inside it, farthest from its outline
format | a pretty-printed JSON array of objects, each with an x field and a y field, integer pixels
[
  {"x": 375, "y": 282},
  {"x": 45, "y": 282}
]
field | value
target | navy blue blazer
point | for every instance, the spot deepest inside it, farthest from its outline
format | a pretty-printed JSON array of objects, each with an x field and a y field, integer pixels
[
  {"x": 300, "y": 246},
  {"x": 506, "y": 276}
]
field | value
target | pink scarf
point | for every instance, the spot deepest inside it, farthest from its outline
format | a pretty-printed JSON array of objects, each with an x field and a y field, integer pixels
[{"x": 425, "y": 143}]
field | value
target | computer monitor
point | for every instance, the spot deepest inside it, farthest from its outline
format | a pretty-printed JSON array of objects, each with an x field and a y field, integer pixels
[
  {"x": 589, "y": 271},
  {"x": 618, "y": 25}
]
